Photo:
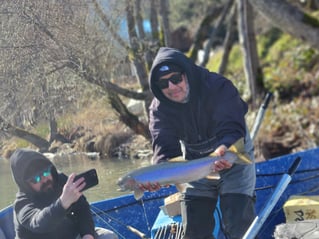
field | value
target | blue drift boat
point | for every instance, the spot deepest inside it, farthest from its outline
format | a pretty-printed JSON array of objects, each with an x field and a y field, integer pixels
[{"x": 144, "y": 218}]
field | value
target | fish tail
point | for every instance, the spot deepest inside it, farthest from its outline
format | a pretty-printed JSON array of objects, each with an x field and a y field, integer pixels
[
  {"x": 243, "y": 158},
  {"x": 239, "y": 149}
]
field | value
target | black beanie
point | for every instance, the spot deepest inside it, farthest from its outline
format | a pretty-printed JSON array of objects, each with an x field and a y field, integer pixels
[{"x": 165, "y": 69}]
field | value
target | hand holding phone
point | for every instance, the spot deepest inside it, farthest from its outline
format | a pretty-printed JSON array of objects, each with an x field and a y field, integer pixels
[{"x": 90, "y": 178}]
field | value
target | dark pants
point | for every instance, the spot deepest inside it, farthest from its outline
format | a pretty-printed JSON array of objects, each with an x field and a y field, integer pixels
[
  {"x": 238, "y": 212},
  {"x": 198, "y": 217}
]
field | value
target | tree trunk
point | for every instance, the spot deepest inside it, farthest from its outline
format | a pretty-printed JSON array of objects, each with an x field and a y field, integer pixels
[
  {"x": 53, "y": 128},
  {"x": 154, "y": 20},
  {"x": 42, "y": 144},
  {"x": 229, "y": 41},
  {"x": 290, "y": 19},
  {"x": 201, "y": 35},
  {"x": 249, "y": 47},
  {"x": 137, "y": 57},
  {"x": 219, "y": 23},
  {"x": 139, "y": 19},
  {"x": 128, "y": 118},
  {"x": 164, "y": 12}
]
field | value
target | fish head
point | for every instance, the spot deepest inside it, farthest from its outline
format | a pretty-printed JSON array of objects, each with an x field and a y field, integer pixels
[
  {"x": 129, "y": 183},
  {"x": 126, "y": 183}
]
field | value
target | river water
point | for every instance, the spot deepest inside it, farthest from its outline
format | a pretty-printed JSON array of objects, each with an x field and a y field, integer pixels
[{"x": 108, "y": 172}]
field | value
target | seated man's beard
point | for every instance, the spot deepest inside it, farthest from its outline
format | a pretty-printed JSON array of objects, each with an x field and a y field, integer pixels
[{"x": 48, "y": 189}]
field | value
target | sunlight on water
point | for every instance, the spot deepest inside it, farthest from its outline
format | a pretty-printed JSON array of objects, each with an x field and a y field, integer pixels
[{"x": 108, "y": 172}]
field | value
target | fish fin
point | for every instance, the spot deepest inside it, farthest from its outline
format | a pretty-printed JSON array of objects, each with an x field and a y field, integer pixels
[
  {"x": 239, "y": 149},
  {"x": 213, "y": 176},
  {"x": 238, "y": 146},
  {"x": 181, "y": 187},
  {"x": 177, "y": 159},
  {"x": 213, "y": 154},
  {"x": 138, "y": 194},
  {"x": 244, "y": 158}
]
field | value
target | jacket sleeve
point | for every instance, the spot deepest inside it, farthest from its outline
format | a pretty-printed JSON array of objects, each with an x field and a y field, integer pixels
[
  {"x": 80, "y": 213},
  {"x": 83, "y": 217},
  {"x": 38, "y": 220},
  {"x": 165, "y": 141},
  {"x": 229, "y": 113}
]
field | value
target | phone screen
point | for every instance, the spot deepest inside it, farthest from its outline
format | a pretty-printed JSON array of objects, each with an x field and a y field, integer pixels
[{"x": 90, "y": 178}]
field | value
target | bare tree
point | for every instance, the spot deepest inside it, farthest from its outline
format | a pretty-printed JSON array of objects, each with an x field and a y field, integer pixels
[
  {"x": 28, "y": 90},
  {"x": 68, "y": 45}
]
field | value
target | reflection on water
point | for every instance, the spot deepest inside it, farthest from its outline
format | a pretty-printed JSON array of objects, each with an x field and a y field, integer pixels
[{"x": 108, "y": 172}]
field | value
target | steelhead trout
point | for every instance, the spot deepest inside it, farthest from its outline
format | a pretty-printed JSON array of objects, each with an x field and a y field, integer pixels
[{"x": 180, "y": 171}]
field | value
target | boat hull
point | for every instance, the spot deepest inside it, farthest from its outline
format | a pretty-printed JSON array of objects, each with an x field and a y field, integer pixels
[
  {"x": 118, "y": 213},
  {"x": 305, "y": 181}
]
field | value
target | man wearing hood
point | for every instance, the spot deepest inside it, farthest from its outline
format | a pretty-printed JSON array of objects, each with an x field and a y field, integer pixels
[
  {"x": 49, "y": 204},
  {"x": 194, "y": 113}
]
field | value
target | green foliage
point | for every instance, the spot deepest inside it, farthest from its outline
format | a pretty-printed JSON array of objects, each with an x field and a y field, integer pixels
[
  {"x": 20, "y": 143},
  {"x": 281, "y": 47},
  {"x": 234, "y": 70},
  {"x": 42, "y": 130},
  {"x": 311, "y": 20},
  {"x": 235, "y": 62},
  {"x": 265, "y": 41},
  {"x": 304, "y": 57},
  {"x": 286, "y": 63},
  {"x": 236, "y": 59}
]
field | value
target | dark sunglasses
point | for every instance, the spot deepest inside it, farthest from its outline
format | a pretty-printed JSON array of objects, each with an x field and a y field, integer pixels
[
  {"x": 37, "y": 177},
  {"x": 175, "y": 79}
]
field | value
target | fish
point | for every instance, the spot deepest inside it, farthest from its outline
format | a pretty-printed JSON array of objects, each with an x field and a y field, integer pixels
[{"x": 178, "y": 171}]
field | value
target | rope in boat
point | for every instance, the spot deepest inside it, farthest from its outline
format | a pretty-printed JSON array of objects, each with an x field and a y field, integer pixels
[
  {"x": 171, "y": 231},
  {"x": 97, "y": 212},
  {"x": 145, "y": 215},
  {"x": 104, "y": 221}
]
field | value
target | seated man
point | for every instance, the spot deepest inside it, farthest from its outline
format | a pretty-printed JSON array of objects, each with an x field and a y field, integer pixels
[{"x": 50, "y": 204}]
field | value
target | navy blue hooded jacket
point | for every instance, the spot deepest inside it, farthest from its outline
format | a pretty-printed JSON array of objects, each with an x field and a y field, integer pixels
[
  {"x": 40, "y": 216},
  {"x": 213, "y": 115}
]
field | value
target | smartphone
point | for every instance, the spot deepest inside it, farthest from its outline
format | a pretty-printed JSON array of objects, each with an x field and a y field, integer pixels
[{"x": 90, "y": 178}]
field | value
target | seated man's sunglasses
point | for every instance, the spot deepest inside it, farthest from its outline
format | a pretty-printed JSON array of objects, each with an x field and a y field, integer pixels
[
  {"x": 37, "y": 177},
  {"x": 175, "y": 79}
]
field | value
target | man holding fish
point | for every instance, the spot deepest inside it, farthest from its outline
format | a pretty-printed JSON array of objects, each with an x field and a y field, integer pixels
[{"x": 196, "y": 113}]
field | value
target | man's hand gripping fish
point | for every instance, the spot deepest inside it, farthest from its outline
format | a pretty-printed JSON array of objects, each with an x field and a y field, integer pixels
[{"x": 179, "y": 171}]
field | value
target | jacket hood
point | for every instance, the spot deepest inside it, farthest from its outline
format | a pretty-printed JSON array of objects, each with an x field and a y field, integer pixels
[
  {"x": 168, "y": 55},
  {"x": 25, "y": 161}
]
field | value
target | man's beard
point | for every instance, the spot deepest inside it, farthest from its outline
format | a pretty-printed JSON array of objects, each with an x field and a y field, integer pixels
[{"x": 48, "y": 189}]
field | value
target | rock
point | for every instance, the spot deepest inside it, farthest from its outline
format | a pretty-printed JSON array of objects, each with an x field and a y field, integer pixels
[{"x": 303, "y": 229}]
